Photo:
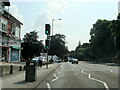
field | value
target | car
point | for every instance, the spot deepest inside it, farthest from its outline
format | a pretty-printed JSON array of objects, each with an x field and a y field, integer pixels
[
  {"x": 74, "y": 60},
  {"x": 70, "y": 59},
  {"x": 35, "y": 59},
  {"x": 43, "y": 59},
  {"x": 59, "y": 60}
]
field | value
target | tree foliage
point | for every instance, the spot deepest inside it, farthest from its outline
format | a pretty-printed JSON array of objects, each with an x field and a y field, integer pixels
[
  {"x": 104, "y": 43},
  {"x": 57, "y": 45},
  {"x": 31, "y": 45}
]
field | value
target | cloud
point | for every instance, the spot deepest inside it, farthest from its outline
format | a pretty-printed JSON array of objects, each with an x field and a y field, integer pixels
[
  {"x": 51, "y": 12},
  {"x": 14, "y": 12},
  {"x": 119, "y": 7},
  {"x": 64, "y": 0},
  {"x": 93, "y": 0},
  {"x": 58, "y": 6}
]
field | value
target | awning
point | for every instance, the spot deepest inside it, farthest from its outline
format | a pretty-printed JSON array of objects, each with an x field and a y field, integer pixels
[{"x": 15, "y": 47}]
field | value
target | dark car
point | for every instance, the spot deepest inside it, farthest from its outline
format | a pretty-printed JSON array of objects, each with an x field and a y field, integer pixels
[{"x": 74, "y": 61}]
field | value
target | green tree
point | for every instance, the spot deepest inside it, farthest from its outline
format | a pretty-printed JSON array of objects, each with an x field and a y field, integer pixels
[
  {"x": 31, "y": 45},
  {"x": 57, "y": 45},
  {"x": 102, "y": 44},
  {"x": 83, "y": 52},
  {"x": 116, "y": 33}
]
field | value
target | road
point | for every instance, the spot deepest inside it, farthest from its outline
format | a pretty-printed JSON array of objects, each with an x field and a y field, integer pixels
[{"x": 82, "y": 75}]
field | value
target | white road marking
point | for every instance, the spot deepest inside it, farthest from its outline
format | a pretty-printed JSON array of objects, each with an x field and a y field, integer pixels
[
  {"x": 89, "y": 76},
  {"x": 55, "y": 78},
  {"x": 57, "y": 72},
  {"x": 48, "y": 85},
  {"x": 110, "y": 70},
  {"x": 55, "y": 75}
]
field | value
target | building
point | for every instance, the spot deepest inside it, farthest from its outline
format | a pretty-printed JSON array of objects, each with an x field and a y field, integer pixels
[{"x": 10, "y": 29}]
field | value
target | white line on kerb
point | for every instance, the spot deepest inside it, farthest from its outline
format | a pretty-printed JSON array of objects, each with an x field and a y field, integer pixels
[
  {"x": 89, "y": 76},
  {"x": 48, "y": 85}
]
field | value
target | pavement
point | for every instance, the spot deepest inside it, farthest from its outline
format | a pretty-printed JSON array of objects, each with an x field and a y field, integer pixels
[
  {"x": 18, "y": 80},
  {"x": 15, "y": 64},
  {"x": 5, "y": 67}
]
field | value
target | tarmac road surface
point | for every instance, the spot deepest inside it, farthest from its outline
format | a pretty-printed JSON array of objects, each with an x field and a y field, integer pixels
[{"x": 83, "y": 75}]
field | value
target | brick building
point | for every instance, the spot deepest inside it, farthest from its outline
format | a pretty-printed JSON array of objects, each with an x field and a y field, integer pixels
[{"x": 10, "y": 30}]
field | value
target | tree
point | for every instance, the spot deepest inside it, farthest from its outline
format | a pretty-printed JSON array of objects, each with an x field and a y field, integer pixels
[
  {"x": 57, "y": 45},
  {"x": 116, "y": 33},
  {"x": 31, "y": 46},
  {"x": 116, "y": 30},
  {"x": 102, "y": 44}
]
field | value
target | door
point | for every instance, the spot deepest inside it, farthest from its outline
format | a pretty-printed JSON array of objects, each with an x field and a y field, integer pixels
[{"x": 14, "y": 55}]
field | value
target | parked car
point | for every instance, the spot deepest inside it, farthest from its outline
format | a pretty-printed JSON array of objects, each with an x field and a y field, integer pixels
[
  {"x": 70, "y": 59},
  {"x": 35, "y": 59},
  {"x": 59, "y": 60},
  {"x": 44, "y": 60},
  {"x": 74, "y": 60}
]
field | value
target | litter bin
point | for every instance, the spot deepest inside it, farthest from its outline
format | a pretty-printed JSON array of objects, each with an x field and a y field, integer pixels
[{"x": 30, "y": 71}]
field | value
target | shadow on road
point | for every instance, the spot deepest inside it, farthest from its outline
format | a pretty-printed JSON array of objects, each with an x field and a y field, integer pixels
[
  {"x": 102, "y": 63},
  {"x": 21, "y": 82}
]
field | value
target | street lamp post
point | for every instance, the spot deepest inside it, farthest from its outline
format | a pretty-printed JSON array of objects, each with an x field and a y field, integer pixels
[
  {"x": 53, "y": 23},
  {"x": 52, "y": 29}
]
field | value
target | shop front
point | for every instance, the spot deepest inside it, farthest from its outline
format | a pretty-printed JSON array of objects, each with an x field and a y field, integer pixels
[
  {"x": 5, "y": 54},
  {"x": 15, "y": 54}
]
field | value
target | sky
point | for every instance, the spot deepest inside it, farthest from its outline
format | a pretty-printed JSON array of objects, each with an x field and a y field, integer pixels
[{"x": 77, "y": 17}]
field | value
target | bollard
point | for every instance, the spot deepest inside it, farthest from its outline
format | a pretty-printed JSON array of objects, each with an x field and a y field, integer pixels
[
  {"x": 24, "y": 67},
  {"x": 1, "y": 71},
  {"x": 11, "y": 69},
  {"x": 20, "y": 68}
]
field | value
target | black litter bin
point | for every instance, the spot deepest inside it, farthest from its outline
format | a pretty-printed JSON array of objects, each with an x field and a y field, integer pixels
[{"x": 30, "y": 74}]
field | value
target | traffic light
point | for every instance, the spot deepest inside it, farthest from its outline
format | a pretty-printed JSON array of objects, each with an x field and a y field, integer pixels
[
  {"x": 47, "y": 43},
  {"x": 47, "y": 29}
]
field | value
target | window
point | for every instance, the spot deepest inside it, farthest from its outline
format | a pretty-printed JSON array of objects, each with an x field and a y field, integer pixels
[
  {"x": 13, "y": 29},
  {"x": 4, "y": 24},
  {"x": 17, "y": 31}
]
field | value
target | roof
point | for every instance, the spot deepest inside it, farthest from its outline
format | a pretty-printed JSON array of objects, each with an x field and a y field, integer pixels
[
  {"x": 12, "y": 17},
  {"x": 5, "y": 2}
]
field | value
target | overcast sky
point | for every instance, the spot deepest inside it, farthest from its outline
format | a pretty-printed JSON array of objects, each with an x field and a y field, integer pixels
[{"x": 77, "y": 16}]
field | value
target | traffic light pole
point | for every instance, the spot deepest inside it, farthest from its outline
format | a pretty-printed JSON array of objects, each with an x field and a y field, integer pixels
[
  {"x": 47, "y": 54},
  {"x": 47, "y": 60},
  {"x": 47, "y": 32}
]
